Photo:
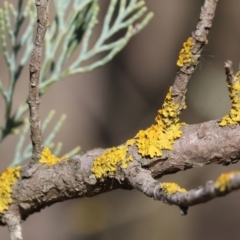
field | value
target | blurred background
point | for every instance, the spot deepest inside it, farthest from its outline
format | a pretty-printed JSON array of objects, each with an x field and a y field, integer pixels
[{"x": 109, "y": 105}]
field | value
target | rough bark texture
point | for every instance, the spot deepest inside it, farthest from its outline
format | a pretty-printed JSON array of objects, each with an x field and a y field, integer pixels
[
  {"x": 200, "y": 39},
  {"x": 34, "y": 68},
  {"x": 199, "y": 145}
]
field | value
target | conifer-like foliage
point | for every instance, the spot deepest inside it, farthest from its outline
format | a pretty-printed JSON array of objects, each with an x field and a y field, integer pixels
[{"x": 69, "y": 32}]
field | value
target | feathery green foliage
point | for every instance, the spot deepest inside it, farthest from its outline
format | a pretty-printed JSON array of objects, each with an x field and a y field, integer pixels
[{"x": 71, "y": 31}]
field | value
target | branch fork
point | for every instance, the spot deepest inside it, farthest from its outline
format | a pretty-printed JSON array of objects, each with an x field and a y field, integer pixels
[{"x": 81, "y": 175}]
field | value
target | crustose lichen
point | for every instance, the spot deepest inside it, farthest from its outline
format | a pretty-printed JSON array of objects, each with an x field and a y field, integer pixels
[{"x": 7, "y": 179}]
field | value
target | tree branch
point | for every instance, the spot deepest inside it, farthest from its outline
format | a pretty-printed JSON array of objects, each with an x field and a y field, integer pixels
[
  {"x": 131, "y": 165},
  {"x": 171, "y": 193},
  {"x": 14, "y": 226},
  {"x": 191, "y": 52},
  {"x": 73, "y": 178},
  {"x": 34, "y": 67}
]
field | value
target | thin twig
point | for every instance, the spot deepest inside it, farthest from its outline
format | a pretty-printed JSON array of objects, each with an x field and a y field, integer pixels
[
  {"x": 35, "y": 66},
  {"x": 14, "y": 226},
  {"x": 172, "y": 194},
  {"x": 196, "y": 44},
  {"x": 229, "y": 72}
]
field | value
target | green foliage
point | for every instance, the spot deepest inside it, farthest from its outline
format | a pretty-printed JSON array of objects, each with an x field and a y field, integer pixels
[
  {"x": 10, "y": 52},
  {"x": 70, "y": 32},
  {"x": 22, "y": 154}
]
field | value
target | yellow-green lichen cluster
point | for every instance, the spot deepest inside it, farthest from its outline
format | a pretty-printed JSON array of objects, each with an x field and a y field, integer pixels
[
  {"x": 48, "y": 158},
  {"x": 108, "y": 161},
  {"x": 237, "y": 75},
  {"x": 161, "y": 135},
  {"x": 222, "y": 184},
  {"x": 150, "y": 142},
  {"x": 7, "y": 179},
  {"x": 234, "y": 116},
  {"x": 171, "y": 188},
  {"x": 185, "y": 55}
]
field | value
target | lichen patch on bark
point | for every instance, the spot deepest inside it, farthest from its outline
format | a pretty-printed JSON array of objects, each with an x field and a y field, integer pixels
[{"x": 7, "y": 179}]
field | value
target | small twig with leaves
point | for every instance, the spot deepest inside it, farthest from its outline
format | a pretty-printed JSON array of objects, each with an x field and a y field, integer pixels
[
  {"x": 22, "y": 154},
  {"x": 19, "y": 15},
  {"x": 70, "y": 28}
]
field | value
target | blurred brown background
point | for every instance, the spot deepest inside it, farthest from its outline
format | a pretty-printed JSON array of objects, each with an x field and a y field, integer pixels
[{"x": 111, "y": 104}]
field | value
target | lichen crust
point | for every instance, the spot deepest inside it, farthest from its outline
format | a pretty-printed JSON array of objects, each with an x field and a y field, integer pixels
[
  {"x": 185, "y": 55},
  {"x": 161, "y": 135},
  {"x": 7, "y": 179},
  {"x": 171, "y": 188},
  {"x": 48, "y": 158},
  {"x": 150, "y": 142},
  {"x": 222, "y": 184},
  {"x": 234, "y": 115},
  {"x": 108, "y": 162}
]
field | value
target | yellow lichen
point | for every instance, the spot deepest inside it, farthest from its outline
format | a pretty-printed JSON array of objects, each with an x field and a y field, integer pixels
[
  {"x": 234, "y": 116},
  {"x": 237, "y": 75},
  {"x": 130, "y": 142},
  {"x": 107, "y": 163},
  {"x": 171, "y": 188},
  {"x": 222, "y": 184},
  {"x": 161, "y": 135},
  {"x": 48, "y": 158},
  {"x": 150, "y": 142},
  {"x": 185, "y": 55},
  {"x": 7, "y": 179}
]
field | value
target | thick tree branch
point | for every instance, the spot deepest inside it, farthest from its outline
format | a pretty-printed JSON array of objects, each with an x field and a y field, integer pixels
[{"x": 200, "y": 145}]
